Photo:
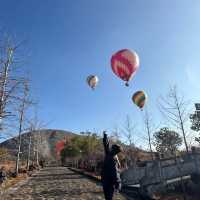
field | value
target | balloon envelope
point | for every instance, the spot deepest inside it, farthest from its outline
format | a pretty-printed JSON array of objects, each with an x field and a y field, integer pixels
[
  {"x": 92, "y": 81},
  {"x": 124, "y": 64},
  {"x": 139, "y": 98}
]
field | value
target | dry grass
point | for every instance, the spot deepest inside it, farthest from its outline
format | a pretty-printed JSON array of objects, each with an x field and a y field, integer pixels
[
  {"x": 13, "y": 181},
  {"x": 9, "y": 166}
]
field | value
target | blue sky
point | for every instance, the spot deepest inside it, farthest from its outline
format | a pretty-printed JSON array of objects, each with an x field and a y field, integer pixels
[{"x": 69, "y": 40}]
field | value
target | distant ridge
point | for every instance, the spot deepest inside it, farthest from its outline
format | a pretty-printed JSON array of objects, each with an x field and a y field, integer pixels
[{"x": 44, "y": 139}]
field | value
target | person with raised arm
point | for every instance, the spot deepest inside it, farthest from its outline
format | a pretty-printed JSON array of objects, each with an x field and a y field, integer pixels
[{"x": 110, "y": 175}]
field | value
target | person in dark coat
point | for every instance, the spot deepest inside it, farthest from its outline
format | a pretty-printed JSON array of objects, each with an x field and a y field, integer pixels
[
  {"x": 41, "y": 163},
  {"x": 2, "y": 175},
  {"x": 110, "y": 173}
]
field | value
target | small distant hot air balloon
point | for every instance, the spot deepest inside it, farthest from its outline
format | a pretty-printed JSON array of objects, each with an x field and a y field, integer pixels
[
  {"x": 139, "y": 98},
  {"x": 92, "y": 81},
  {"x": 125, "y": 64}
]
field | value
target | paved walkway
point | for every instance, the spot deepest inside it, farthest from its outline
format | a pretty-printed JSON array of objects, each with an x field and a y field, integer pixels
[{"x": 58, "y": 183}]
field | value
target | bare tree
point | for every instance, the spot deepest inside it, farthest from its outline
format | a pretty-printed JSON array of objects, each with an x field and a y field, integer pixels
[
  {"x": 174, "y": 108},
  {"x": 116, "y": 134},
  {"x": 10, "y": 80},
  {"x": 148, "y": 127},
  {"x": 35, "y": 138},
  {"x": 129, "y": 132},
  {"x": 24, "y": 104},
  {"x": 4, "y": 79}
]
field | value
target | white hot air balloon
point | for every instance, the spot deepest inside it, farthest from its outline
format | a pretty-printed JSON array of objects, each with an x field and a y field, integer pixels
[{"x": 92, "y": 81}]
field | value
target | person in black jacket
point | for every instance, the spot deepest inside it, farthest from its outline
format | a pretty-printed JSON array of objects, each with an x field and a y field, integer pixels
[
  {"x": 110, "y": 173},
  {"x": 2, "y": 175}
]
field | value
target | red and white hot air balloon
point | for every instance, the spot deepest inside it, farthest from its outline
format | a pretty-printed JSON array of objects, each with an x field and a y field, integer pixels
[{"x": 125, "y": 64}]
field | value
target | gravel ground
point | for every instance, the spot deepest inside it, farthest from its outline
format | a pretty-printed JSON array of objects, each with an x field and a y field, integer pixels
[{"x": 57, "y": 183}]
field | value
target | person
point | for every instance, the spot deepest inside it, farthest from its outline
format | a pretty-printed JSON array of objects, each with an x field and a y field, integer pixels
[
  {"x": 41, "y": 163},
  {"x": 110, "y": 173},
  {"x": 2, "y": 175}
]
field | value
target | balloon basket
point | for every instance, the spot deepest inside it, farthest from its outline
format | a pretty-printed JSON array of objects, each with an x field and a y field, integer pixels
[{"x": 127, "y": 84}]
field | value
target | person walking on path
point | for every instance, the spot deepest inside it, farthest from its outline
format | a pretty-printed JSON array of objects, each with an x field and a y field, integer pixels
[{"x": 110, "y": 173}]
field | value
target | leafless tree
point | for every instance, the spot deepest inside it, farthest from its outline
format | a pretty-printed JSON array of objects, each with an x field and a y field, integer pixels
[
  {"x": 116, "y": 134},
  {"x": 11, "y": 81},
  {"x": 174, "y": 108},
  {"x": 148, "y": 127},
  {"x": 35, "y": 138},
  {"x": 23, "y": 105},
  {"x": 129, "y": 133}
]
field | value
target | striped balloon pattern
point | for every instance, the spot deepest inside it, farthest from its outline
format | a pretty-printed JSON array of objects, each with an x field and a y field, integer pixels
[
  {"x": 92, "y": 81},
  {"x": 139, "y": 98},
  {"x": 124, "y": 64}
]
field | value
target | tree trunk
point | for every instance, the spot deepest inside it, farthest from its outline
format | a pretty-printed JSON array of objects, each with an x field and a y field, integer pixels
[
  {"x": 29, "y": 152},
  {"x": 21, "y": 111},
  {"x": 181, "y": 123},
  {"x": 19, "y": 146}
]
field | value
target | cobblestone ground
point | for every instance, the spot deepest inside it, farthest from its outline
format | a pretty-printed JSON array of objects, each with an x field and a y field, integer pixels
[{"x": 58, "y": 183}]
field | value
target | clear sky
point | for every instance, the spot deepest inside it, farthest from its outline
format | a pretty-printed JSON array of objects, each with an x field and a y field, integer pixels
[{"x": 69, "y": 40}]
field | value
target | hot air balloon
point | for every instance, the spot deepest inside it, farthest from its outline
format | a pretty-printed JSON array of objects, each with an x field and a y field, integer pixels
[
  {"x": 92, "y": 81},
  {"x": 139, "y": 98},
  {"x": 125, "y": 64}
]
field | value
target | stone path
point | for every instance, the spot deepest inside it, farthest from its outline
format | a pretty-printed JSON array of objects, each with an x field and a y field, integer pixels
[{"x": 58, "y": 183}]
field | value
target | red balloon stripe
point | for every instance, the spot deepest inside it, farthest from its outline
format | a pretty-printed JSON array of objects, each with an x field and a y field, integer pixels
[
  {"x": 126, "y": 62},
  {"x": 121, "y": 73},
  {"x": 118, "y": 64},
  {"x": 122, "y": 67}
]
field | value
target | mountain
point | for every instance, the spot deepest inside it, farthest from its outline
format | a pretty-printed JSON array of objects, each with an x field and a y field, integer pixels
[
  {"x": 49, "y": 142},
  {"x": 44, "y": 141}
]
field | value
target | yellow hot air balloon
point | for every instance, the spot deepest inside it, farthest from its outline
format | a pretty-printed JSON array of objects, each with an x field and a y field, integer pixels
[
  {"x": 139, "y": 98},
  {"x": 92, "y": 81}
]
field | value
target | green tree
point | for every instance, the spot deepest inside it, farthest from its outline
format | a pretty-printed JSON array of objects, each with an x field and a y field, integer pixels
[
  {"x": 167, "y": 141},
  {"x": 90, "y": 144},
  {"x": 70, "y": 151},
  {"x": 3, "y": 152},
  {"x": 195, "y": 120},
  {"x": 87, "y": 146}
]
